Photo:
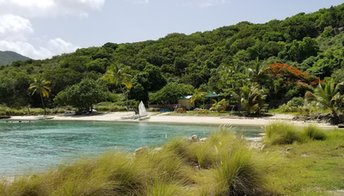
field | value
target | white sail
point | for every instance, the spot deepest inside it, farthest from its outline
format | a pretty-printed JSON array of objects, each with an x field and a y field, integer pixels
[{"x": 142, "y": 109}]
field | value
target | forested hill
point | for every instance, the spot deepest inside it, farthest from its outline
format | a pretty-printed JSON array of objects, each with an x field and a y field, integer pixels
[
  {"x": 305, "y": 47},
  {"x": 7, "y": 57}
]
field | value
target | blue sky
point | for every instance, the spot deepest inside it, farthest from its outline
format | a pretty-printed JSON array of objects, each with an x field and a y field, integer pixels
[{"x": 41, "y": 29}]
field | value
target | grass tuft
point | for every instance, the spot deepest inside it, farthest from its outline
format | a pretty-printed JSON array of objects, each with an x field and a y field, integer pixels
[
  {"x": 159, "y": 188},
  {"x": 282, "y": 133},
  {"x": 238, "y": 175},
  {"x": 314, "y": 133}
]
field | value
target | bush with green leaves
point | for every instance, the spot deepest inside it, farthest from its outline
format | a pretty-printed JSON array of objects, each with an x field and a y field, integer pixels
[
  {"x": 170, "y": 93},
  {"x": 83, "y": 95},
  {"x": 220, "y": 106},
  {"x": 293, "y": 105},
  {"x": 110, "y": 107}
]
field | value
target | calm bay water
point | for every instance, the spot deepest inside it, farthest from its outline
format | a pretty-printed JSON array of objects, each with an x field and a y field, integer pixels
[{"x": 37, "y": 146}]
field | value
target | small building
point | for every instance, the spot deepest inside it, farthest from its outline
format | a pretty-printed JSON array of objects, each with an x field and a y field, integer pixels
[
  {"x": 212, "y": 95},
  {"x": 185, "y": 102},
  {"x": 209, "y": 99}
]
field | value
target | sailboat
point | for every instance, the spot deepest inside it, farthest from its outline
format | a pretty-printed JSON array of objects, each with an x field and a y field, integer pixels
[{"x": 143, "y": 112}]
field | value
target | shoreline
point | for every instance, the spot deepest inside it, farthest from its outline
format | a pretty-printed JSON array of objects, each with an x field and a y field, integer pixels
[{"x": 167, "y": 118}]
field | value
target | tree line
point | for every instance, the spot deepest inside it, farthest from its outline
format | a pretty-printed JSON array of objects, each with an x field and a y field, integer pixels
[{"x": 280, "y": 60}]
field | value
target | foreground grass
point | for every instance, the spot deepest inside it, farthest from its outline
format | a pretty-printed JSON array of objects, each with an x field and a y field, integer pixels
[
  {"x": 311, "y": 160},
  {"x": 223, "y": 165}
]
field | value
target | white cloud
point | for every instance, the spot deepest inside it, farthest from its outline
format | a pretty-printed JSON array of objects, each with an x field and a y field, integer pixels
[
  {"x": 43, "y": 8},
  {"x": 138, "y": 1},
  {"x": 188, "y": 3},
  {"x": 17, "y": 32},
  {"x": 202, "y": 3},
  {"x": 14, "y": 27},
  {"x": 59, "y": 45},
  {"x": 53, "y": 47}
]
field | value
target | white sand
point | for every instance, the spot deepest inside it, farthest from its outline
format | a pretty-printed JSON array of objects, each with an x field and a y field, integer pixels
[{"x": 165, "y": 118}]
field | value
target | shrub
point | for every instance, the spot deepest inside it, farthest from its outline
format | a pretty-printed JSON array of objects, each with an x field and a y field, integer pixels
[
  {"x": 294, "y": 105},
  {"x": 220, "y": 106},
  {"x": 314, "y": 133},
  {"x": 282, "y": 133},
  {"x": 82, "y": 95},
  {"x": 170, "y": 93},
  {"x": 110, "y": 107}
]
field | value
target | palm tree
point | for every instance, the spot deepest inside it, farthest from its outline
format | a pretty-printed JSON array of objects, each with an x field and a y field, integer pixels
[
  {"x": 41, "y": 87},
  {"x": 117, "y": 75},
  {"x": 328, "y": 96},
  {"x": 256, "y": 70},
  {"x": 252, "y": 99},
  {"x": 198, "y": 96}
]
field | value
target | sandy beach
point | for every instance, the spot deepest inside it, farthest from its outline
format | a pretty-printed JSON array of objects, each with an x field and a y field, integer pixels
[{"x": 169, "y": 118}]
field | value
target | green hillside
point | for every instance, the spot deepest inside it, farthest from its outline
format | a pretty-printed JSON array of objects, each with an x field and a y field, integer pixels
[
  {"x": 7, "y": 57},
  {"x": 284, "y": 58}
]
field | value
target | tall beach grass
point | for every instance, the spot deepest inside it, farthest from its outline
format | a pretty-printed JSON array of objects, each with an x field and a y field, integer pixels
[
  {"x": 283, "y": 133},
  {"x": 181, "y": 167},
  {"x": 222, "y": 165}
]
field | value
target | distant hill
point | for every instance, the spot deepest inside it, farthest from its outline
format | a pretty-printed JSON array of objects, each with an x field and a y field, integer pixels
[{"x": 7, "y": 57}]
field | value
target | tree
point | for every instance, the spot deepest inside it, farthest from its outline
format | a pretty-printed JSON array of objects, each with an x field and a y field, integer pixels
[
  {"x": 170, "y": 93},
  {"x": 329, "y": 96},
  {"x": 82, "y": 95},
  {"x": 251, "y": 99},
  {"x": 41, "y": 87},
  {"x": 138, "y": 93},
  {"x": 117, "y": 74},
  {"x": 198, "y": 96}
]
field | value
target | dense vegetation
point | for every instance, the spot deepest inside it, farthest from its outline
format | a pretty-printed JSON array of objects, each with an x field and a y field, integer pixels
[
  {"x": 8, "y": 57},
  {"x": 222, "y": 165},
  {"x": 253, "y": 66}
]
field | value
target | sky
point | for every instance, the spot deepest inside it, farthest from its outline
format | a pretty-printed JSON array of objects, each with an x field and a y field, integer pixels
[{"x": 41, "y": 29}]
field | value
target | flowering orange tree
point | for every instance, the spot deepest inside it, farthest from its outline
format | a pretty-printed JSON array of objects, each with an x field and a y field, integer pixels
[{"x": 285, "y": 81}]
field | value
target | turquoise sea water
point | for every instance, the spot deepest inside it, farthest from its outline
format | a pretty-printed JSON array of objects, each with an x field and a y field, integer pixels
[{"x": 33, "y": 147}]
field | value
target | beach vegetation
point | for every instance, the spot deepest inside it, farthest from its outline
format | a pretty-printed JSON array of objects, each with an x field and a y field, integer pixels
[
  {"x": 283, "y": 133},
  {"x": 170, "y": 93},
  {"x": 220, "y": 106},
  {"x": 280, "y": 133},
  {"x": 295, "y": 105},
  {"x": 224, "y": 164},
  {"x": 314, "y": 133},
  {"x": 42, "y": 88},
  {"x": 83, "y": 95},
  {"x": 330, "y": 96},
  {"x": 119, "y": 76},
  {"x": 251, "y": 100}
]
